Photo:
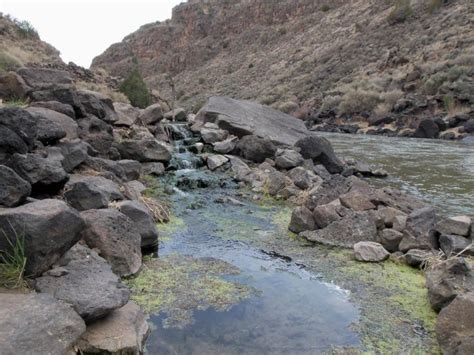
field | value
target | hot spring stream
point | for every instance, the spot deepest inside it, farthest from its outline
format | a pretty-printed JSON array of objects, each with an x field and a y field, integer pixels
[{"x": 230, "y": 278}]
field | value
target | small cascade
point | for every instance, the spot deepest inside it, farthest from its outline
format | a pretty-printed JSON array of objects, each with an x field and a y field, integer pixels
[{"x": 182, "y": 139}]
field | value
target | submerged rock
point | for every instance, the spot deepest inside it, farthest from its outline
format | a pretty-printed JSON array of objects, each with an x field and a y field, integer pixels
[
  {"x": 86, "y": 282},
  {"x": 37, "y": 324},
  {"x": 124, "y": 331}
]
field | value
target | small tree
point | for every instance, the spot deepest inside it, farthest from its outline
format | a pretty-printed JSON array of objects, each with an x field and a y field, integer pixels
[{"x": 135, "y": 88}]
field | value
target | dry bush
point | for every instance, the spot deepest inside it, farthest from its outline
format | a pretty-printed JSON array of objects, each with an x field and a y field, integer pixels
[
  {"x": 115, "y": 96},
  {"x": 356, "y": 101},
  {"x": 382, "y": 110},
  {"x": 288, "y": 107},
  {"x": 159, "y": 210},
  {"x": 390, "y": 98},
  {"x": 331, "y": 102}
]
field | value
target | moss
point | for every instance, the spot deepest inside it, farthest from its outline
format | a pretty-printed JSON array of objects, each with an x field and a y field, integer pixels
[
  {"x": 178, "y": 285},
  {"x": 168, "y": 229}
]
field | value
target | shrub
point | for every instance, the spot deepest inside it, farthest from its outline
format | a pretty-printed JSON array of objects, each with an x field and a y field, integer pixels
[
  {"x": 435, "y": 5},
  {"x": 401, "y": 11},
  {"x": 331, "y": 103},
  {"x": 8, "y": 63},
  {"x": 325, "y": 8},
  {"x": 288, "y": 107},
  {"x": 135, "y": 88},
  {"x": 357, "y": 101},
  {"x": 26, "y": 30},
  {"x": 390, "y": 98}
]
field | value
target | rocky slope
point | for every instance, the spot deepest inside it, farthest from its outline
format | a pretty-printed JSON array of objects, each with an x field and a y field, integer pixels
[{"x": 385, "y": 63}]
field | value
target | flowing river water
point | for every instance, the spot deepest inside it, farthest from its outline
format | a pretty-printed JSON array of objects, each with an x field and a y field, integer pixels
[{"x": 230, "y": 278}]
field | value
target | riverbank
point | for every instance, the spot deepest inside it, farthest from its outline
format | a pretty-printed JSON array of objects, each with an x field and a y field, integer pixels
[{"x": 85, "y": 197}]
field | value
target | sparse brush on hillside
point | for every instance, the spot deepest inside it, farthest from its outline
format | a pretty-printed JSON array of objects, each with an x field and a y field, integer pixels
[
  {"x": 401, "y": 11},
  {"x": 8, "y": 63},
  {"x": 135, "y": 88}
]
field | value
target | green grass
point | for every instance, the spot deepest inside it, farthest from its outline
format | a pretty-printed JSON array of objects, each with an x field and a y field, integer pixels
[
  {"x": 16, "y": 103},
  {"x": 13, "y": 263}
]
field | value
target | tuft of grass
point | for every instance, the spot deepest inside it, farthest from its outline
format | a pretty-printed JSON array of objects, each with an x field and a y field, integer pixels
[
  {"x": 401, "y": 12},
  {"x": 13, "y": 263},
  {"x": 16, "y": 103}
]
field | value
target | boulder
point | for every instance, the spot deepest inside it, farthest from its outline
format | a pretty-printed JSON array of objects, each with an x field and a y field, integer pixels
[
  {"x": 370, "y": 252},
  {"x": 12, "y": 86},
  {"x": 390, "y": 239},
  {"x": 288, "y": 159},
  {"x": 65, "y": 109},
  {"x": 320, "y": 151},
  {"x": 345, "y": 232},
  {"x": 73, "y": 154},
  {"x": 469, "y": 126},
  {"x": 276, "y": 181},
  {"x": 144, "y": 150},
  {"x": 97, "y": 104},
  {"x": 226, "y": 146},
  {"x": 124, "y": 331},
  {"x": 20, "y": 122},
  {"x": 43, "y": 173},
  {"x": 64, "y": 122},
  {"x": 178, "y": 114},
  {"x": 10, "y": 143},
  {"x": 241, "y": 170},
  {"x": 37, "y": 324},
  {"x": 216, "y": 161},
  {"x": 82, "y": 270},
  {"x": 301, "y": 220},
  {"x": 127, "y": 115},
  {"x": 459, "y": 225},
  {"x": 48, "y": 228},
  {"x": 156, "y": 169},
  {"x": 242, "y": 118},
  {"x": 144, "y": 223},
  {"x": 356, "y": 201},
  {"x": 256, "y": 149},
  {"x": 211, "y": 134},
  {"x": 300, "y": 177},
  {"x": 133, "y": 189},
  {"x": 91, "y": 192},
  {"x": 417, "y": 257},
  {"x": 427, "y": 129},
  {"x": 49, "y": 132},
  {"x": 399, "y": 223},
  {"x": 151, "y": 115},
  {"x": 448, "y": 279},
  {"x": 324, "y": 215},
  {"x": 97, "y": 133},
  {"x": 132, "y": 169},
  {"x": 389, "y": 214},
  {"x": 117, "y": 238},
  {"x": 44, "y": 78},
  {"x": 13, "y": 189},
  {"x": 419, "y": 229},
  {"x": 455, "y": 244},
  {"x": 455, "y": 326}
]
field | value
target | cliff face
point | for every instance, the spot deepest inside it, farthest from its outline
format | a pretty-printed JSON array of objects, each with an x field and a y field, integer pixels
[
  {"x": 349, "y": 56},
  {"x": 20, "y": 45}
]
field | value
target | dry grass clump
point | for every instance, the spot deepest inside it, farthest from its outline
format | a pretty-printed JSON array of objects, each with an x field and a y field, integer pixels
[
  {"x": 115, "y": 96},
  {"x": 436, "y": 260},
  {"x": 159, "y": 210},
  {"x": 401, "y": 12}
]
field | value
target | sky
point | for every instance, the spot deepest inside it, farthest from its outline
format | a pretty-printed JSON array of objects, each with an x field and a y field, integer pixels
[{"x": 83, "y": 29}]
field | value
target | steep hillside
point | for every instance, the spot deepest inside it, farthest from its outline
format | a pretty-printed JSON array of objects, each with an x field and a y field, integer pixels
[
  {"x": 348, "y": 57},
  {"x": 20, "y": 45}
]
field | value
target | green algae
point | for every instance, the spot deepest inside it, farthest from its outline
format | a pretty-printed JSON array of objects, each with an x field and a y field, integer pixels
[
  {"x": 178, "y": 285},
  {"x": 175, "y": 224}
]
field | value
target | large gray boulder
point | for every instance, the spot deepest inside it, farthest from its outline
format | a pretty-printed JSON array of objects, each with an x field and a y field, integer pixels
[
  {"x": 301, "y": 220},
  {"x": 124, "y": 331},
  {"x": 419, "y": 230},
  {"x": 427, "y": 129},
  {"x": 73, "y": 154},
  {"x": 320, "y": 151},
  {"x": 64, "y": 122},
  {"x": 40, "y": 171},
  {"x": 49, "y": 132},
  {"x": 447, "y": 280},
  {"x": 37, "y": 324},
  {"x": 97, "y": 133},
  {"x": 256, "y": 149},
  {"x": 390, "y": 239},
  {"x": 79, "y": 272},
  {"x": 242, "y": 118},
  {"x": 12, "y": 86},
  {"x": 288, "y": 159},
  {"x": 13, "y": 189},
  {"x": 455, "y": 326},
  {"x": 143, "y": 220},
  {"x": 455, "y": 244},
  {"x": 91, "y": 192},
  {"x": 144, "y": 150},
  {"x": 65, "y": 109},
  {"x": 300, "y": 177},
  {"x": 48, "y": 229},
  {"x": 117, "y": 238},
  {"x": 97, "y": 104},
  {"x": 458, "y": 225},
  {"x": 345, "y": 232},
  {"x": 370, "y": 252},
  {"x": 44, "y": 78},
  {"x": 151, "y": 115},
  {"x": 324, "y": 215},
  {"x": 127, "y": 115}
]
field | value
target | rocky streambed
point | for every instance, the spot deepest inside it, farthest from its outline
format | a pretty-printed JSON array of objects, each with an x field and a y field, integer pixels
[{"x": 268, "y": 242}]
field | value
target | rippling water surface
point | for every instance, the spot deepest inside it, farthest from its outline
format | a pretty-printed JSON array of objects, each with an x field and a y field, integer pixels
[{"x": 441, "y": 172}]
